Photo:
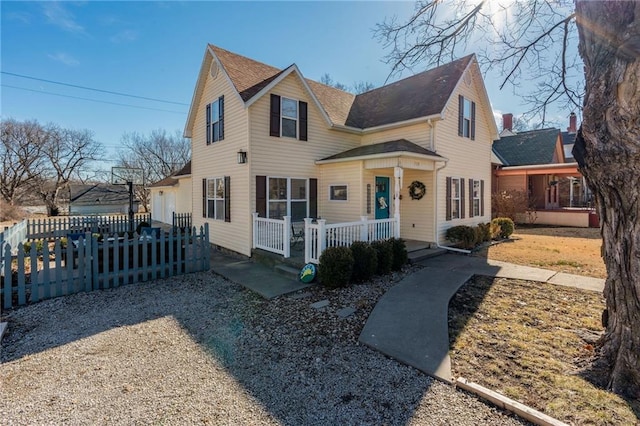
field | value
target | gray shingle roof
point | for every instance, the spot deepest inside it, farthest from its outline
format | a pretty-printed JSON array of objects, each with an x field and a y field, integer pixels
[
  {"x": 527, "y": 148},
  {"x": 400, "y": 145},
  {"x": 98, "y": 194}
]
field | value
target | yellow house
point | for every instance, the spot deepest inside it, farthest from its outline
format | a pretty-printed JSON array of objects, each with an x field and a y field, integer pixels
[{"x": 271, "y": 148}]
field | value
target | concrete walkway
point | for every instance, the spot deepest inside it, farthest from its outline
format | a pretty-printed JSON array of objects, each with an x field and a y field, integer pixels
[
  {"x": 254, "y": 276},
  {"x": 410, "y": 322}
]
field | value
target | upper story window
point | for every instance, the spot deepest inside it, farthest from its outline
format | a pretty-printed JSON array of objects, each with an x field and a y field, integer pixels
[
  {"x": 288, "y": 118},
  {"x": 466, "y": 118},
  {"x": 215, "y": 121}
]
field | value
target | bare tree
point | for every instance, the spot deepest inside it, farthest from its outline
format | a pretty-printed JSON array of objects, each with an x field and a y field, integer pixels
[
  {"x": 20, "y": 156},
  {"x": 326, "y": 79},
  {"x": 532, "y": 39},
  {"x": 357, "y": 88},
  {"x": 362, "y": 86},
  {"x": 159, "y": 154}
]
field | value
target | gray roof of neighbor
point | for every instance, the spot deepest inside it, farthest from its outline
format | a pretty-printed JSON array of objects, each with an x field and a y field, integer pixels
[
  {"x": 98, "y": 194},
  {"x": 421, "y": 95},
  {"x": 527, "y": 148},
  {"x": 400, "y": 145}
]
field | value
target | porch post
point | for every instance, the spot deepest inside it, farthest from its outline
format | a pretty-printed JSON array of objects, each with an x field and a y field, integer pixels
[
  {"x": 322, "y": 236},
  {"x": 364, "y": 231},
  {"x": 287, "y": 236},
  {"x": 254, "y": 228},
  {"x": 397, "y": 173},
  {"x": 307, "y": 239}
]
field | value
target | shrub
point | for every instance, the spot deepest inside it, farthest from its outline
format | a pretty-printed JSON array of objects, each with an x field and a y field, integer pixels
[
  {"x": 483, "y": 232},
  {"x": 495, "y": 230},
  {"x": 336, "y": 267},
  {"x": 400, "y": 256},
  {"x": 39, "y": 244},
  {"x": 385, "y": 256},
  {"x": 463, "y": 235},
  {"x": 506, "y": 226},
  {"x": 365, "y": 261}
]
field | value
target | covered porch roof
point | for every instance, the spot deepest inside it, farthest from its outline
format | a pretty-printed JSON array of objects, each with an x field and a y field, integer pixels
[
  {"x": 567, "y": 169},
  {"x": 385, "y": 150}
]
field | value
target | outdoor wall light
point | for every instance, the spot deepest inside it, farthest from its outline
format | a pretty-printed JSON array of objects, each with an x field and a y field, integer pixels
[{"x": 242, "y": 157}]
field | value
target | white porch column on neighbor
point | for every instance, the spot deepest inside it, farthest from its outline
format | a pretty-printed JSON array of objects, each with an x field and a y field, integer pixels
[{"x": 398, "y": 172}]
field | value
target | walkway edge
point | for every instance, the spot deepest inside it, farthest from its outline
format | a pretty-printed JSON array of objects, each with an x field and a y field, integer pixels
[{"x": 524, "y": 411}]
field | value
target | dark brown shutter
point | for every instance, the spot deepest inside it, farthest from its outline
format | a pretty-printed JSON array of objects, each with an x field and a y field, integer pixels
[
  {"x": 208, "y": 124},
  {"x": 221, "y": 117},
  {"x": 204, "y": 198},
  {"x": 461, "y": 198},
  {"x": 482, "y": 198},
  {"x": 227, "y": 199},
  {"x": 460, "y": 114},
  {"x": 448, "y": 203},
  {"x": 473, "y": 120},
  {"x": 302, "y": 124},
  {"x": 470, "y": 197},
  {"x": 313, "y": 198},
  {"x": 261, "y": 195},
  {"x": 274, "y": 128}
]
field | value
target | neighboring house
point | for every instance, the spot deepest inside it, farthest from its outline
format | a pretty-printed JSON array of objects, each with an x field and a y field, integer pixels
[
  {"x": 271, "y": 141},
  {"x": 99, "y": 199},
  {"x": 534, "y": 162},
  {"x": 171, "y": 195}
]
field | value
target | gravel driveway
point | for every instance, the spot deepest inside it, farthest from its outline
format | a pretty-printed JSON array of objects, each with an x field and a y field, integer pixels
[{"x": 199, "y": 349}]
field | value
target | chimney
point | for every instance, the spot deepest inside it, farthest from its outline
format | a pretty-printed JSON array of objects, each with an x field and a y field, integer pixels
[
  {"x": 507, "y": 121},
  {"x": 573, "y": 128}
]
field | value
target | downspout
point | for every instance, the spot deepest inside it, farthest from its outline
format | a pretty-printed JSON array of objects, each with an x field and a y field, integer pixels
[
  {"x": 435, "y": 218},
  {"x": 431, "y": 140}
]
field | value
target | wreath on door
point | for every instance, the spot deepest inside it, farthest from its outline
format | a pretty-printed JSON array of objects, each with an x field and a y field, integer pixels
[{"x": 417, "y": 190}]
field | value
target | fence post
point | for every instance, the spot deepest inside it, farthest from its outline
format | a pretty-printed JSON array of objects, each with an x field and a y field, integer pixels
[
  {"x": 364, "y": 229},
  {"x": 286, "y": 235},
  {"x": 8, "y": 278},
  {"x": 307, "y": 239},
  {"x": 396, "y": 230},
  {"x": 322, "y": 236},
  {"x": 255, "y": 228},
  {"x": 207, "y": 246}
]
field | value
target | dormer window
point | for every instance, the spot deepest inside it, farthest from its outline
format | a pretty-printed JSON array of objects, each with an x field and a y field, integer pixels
[
  {"x": 215, "y": 121},
  {"x": 289, "y": 118}
]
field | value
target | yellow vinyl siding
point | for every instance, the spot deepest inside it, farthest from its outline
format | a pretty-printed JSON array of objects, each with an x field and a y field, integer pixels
[
  {"x": 288, "y": 157},
  {"x": 218, "y": 160},
  {"x": 183, "y": 195},
  {"x": 349, "y": 174},
  {"x": 417, "y": 133},
  {"x": 468, "y": 159}
]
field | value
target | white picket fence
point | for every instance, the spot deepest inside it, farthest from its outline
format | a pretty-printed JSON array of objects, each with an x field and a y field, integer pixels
[
  {"x": 89, "y": 264},
  {"x": 320, "y": 236},
  {"x": 63, "y": 225},
  {"x": 274, "y": 235}
]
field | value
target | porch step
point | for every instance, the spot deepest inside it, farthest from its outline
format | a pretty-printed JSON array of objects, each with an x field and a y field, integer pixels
[
  {"x": 422, "y": 254},
  {"x": 287, "y": 270}
]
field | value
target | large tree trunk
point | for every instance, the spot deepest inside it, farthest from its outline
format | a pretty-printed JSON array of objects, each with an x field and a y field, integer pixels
[{"x": 608, "y": 152}]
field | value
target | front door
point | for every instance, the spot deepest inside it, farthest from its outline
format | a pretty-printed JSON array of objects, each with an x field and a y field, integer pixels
[{"x": 382, "y": 197}]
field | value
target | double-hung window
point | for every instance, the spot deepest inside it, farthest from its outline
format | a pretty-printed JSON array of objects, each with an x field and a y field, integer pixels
[
  {"x": 215, "y": 198},
  {"x": 466, "y": 118},
  {"x": 289, "y": 118},
  {"x": 476, "y": 190},
  {"x": 455, "y": 198},
  {"x": 215, "y": 120},
  {"x": 287, "y": 197}
]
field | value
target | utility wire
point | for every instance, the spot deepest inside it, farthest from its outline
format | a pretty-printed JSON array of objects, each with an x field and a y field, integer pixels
[
  {"x": 91, "y": 100},
  {"x": 91, "y": 88}
]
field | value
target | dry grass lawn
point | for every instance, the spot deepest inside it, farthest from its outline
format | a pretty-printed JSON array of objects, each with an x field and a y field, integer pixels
[
  {"x": 535, "y": 342},
  {"x": 570, "y": 250}
]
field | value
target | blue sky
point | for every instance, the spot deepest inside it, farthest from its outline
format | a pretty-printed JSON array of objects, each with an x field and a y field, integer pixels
[{"x": 154, "y": 50}]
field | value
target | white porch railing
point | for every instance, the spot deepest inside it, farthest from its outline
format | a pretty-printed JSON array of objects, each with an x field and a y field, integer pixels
[
  {"x": 273, "y": 235},
  {"x": 321, "y": 235}
]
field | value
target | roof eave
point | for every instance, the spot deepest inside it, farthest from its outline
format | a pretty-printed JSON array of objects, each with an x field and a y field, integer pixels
[
  {"x": 384, "y": 155},
  {"x": 397, "y": 124}
]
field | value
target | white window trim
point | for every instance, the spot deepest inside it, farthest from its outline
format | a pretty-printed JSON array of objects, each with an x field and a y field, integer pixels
[
  {"x": 283, "y": 117},
  {"x": 346, "y": 186},
  {"x": 215, "y": 198},
  {"x": 289, "y": 199},
  {"x": 478, "y": 198},
  {"x": 454, "y": 198}
]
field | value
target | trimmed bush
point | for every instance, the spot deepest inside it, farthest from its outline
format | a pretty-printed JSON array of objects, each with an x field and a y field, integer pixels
[
  {"x": 483, "y": 232},
  {"x": 365, "y": 261},
  {"x": 384, "y": 251},
  {"x": 336, "y": 267},
  {"x": 506, "y": 226},
  {"x": 463, "y": 235},
  {"x": 400, "y": 256},
  {"x": 495, "y": 230},
  {"x": 39, "y": 244}
]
